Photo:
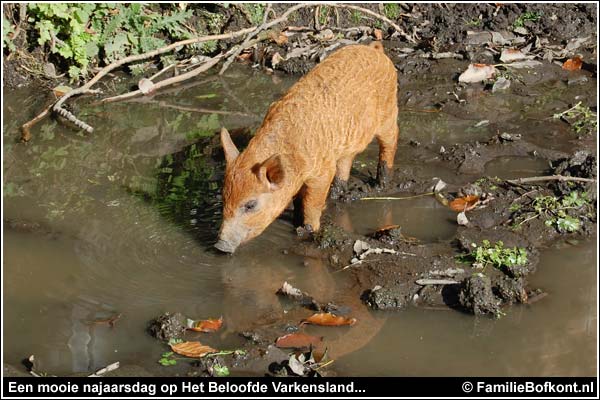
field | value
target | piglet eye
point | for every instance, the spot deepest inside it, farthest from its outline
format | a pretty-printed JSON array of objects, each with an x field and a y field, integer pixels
[{"x": 250, "y": 206}]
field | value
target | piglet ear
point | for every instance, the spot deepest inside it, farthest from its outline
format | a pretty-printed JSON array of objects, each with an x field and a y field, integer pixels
[
  {"x": 272, "y": 172},
  {"x": 231, "y": 152}
]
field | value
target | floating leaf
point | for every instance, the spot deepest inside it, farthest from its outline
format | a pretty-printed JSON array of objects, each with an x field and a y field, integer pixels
[
  {"x": 328, "y": 319},
  {"x": 466, "y": 203},
  {"x": 205, "y": 325},
  {"x": 573, "y": 64},
  {"x": 477, "y": 73},
  {"x": 192, "y": 349},
  {"x": 298, "y": 340}
]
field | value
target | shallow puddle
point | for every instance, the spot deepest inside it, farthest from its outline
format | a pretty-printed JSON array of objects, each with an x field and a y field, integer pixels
[{"x": 121, "y": 222}]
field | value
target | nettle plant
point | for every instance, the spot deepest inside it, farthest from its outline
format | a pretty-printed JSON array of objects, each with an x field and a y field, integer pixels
[{"x": 84, "y": 33}]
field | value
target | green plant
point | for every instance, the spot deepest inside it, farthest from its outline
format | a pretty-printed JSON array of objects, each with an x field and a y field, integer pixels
[
  {"x": 526, "y": 16},
  {"x": 391, "y": 10},
  {"x": 7, "y": 32},
  {"x": 356, "y": 16},
  {"x": 255, "y": 12},
  {"x": 553, "y": 210},
  {"x": 497, "y": 255},
  {"x": 220, "y": 370},
  {"x": 323, "y": 14},
  {"x": 475, "y": 22},
  {"x": 581, "y": 118},
  {"x": 167, "y": 359},
  {"x": 80, "y": 33}
]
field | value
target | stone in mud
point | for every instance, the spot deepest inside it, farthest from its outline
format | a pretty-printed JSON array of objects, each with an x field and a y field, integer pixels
[
  {"x": 511, "y": 290},
  {"x": 167, "y": 326},
  {"x": 390, "y": 298},
  {"x": 476, "y": 296}
]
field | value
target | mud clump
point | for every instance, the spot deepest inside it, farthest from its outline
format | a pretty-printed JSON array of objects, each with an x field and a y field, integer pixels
[
  {"x": 167, "y": 326},
  {"x": 511, "y": 290},
  {"x": 582, "y": 164},
  {"x": 331, "y": 236},
  {"x": 476, "y": 296},
  {"x": 390, "y": 298}
]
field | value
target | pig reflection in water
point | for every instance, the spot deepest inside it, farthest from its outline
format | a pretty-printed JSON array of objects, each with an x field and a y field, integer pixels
[
  {"x": 308, "y": 138},
  {"x": 251, "y": 304}
]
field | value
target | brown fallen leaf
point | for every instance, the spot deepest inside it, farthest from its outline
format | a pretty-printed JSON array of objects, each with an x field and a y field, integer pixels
[
  {"x": 298, "y": 340},
  {"x": 192, "y": 349},
  {"x": 466, "y": 203},
  {"x": 573, "y": 64},
  {"x": 279, "y": 38},
  {"x": 378, "y": 34},
  {"x": 206, "y": 325},
  {"x": 328, "y": 319},
  {"x": 477, "y": 73}
]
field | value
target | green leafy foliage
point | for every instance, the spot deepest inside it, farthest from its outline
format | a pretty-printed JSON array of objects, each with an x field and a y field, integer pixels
[
  {"x": 553, "y": 210},
  {"x": 526, "y": 16},
  {"x": 7, "y": 32},
  {"x": 85, "y": 33},
  {"x": 391, "y": 10},
  {"x": 255, "y": 12},
  {"x": 581, "y": 118},
  {"x": 220, "y": 370},
  {"x": 167, "y": 359},
  {"x": 496, "y": 254}
]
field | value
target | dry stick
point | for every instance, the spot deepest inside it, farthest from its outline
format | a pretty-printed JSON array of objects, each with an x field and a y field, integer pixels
[
  {"x": 191, "y": 109},
  {"x": 550, "y": 178},
  {"x": 399, "y": 198},
  {"x": 246, "y": 41},
  {"x": 26, "y": 127},
  {"x": 179, "y": 78},
  {"x": 378, "y": 16},
  {"x": 167, "y": 82}
]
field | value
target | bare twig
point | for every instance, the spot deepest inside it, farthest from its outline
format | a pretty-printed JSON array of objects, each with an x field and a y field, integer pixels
[
  {"x": 561, "y": 178},
  {"x": 26, "y": 127},
  {"x": 102, "y": 371},
  {"x": 399, "y": 198},
  {"x": 191, "y": 109},
  {"x": 167, "y": 82}
]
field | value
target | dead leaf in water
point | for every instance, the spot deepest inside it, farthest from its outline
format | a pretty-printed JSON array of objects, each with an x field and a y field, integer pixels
[
  {"x": 573, "y": 64},
  {"x": 477, "y": 73},
  {"x": 298, "y": 341},
  {"x": 61, "y": 90},
  {"x": 192, "y": 349},
  {"x": 328, "y": 319},
  {"x": 205, "y": 325},
  {"x": 510, "y": 55},
  {"x": 462, "y": 204}
]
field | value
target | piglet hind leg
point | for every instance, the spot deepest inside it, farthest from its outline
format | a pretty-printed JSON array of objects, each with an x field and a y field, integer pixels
[{"x": 388, "y": 142}]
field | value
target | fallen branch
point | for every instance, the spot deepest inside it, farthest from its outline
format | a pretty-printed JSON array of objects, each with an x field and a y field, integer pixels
[
  {"x": 426, "y": 282},
  {"x": 102, "y": 371},
  {"x": 399, "y": 198},
  {"x": 246, "y": 41},
  {"x": 26, "y": 127},
  {"x": 201, "y": 110},
  {"x": 561, "y": 178},
  {"x": 167, "y": 82}
]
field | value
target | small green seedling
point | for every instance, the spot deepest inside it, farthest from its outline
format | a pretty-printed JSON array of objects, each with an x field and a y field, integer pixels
[
  {"x": 167, "y": 359},
  {"x": 581, "y": 118},
  {"x": 526, "y": 16},
  {"x": 497, "y": 255}
]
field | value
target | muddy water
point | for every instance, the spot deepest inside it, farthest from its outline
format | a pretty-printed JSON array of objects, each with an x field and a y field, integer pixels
[{"x": 121, "y": 222}]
